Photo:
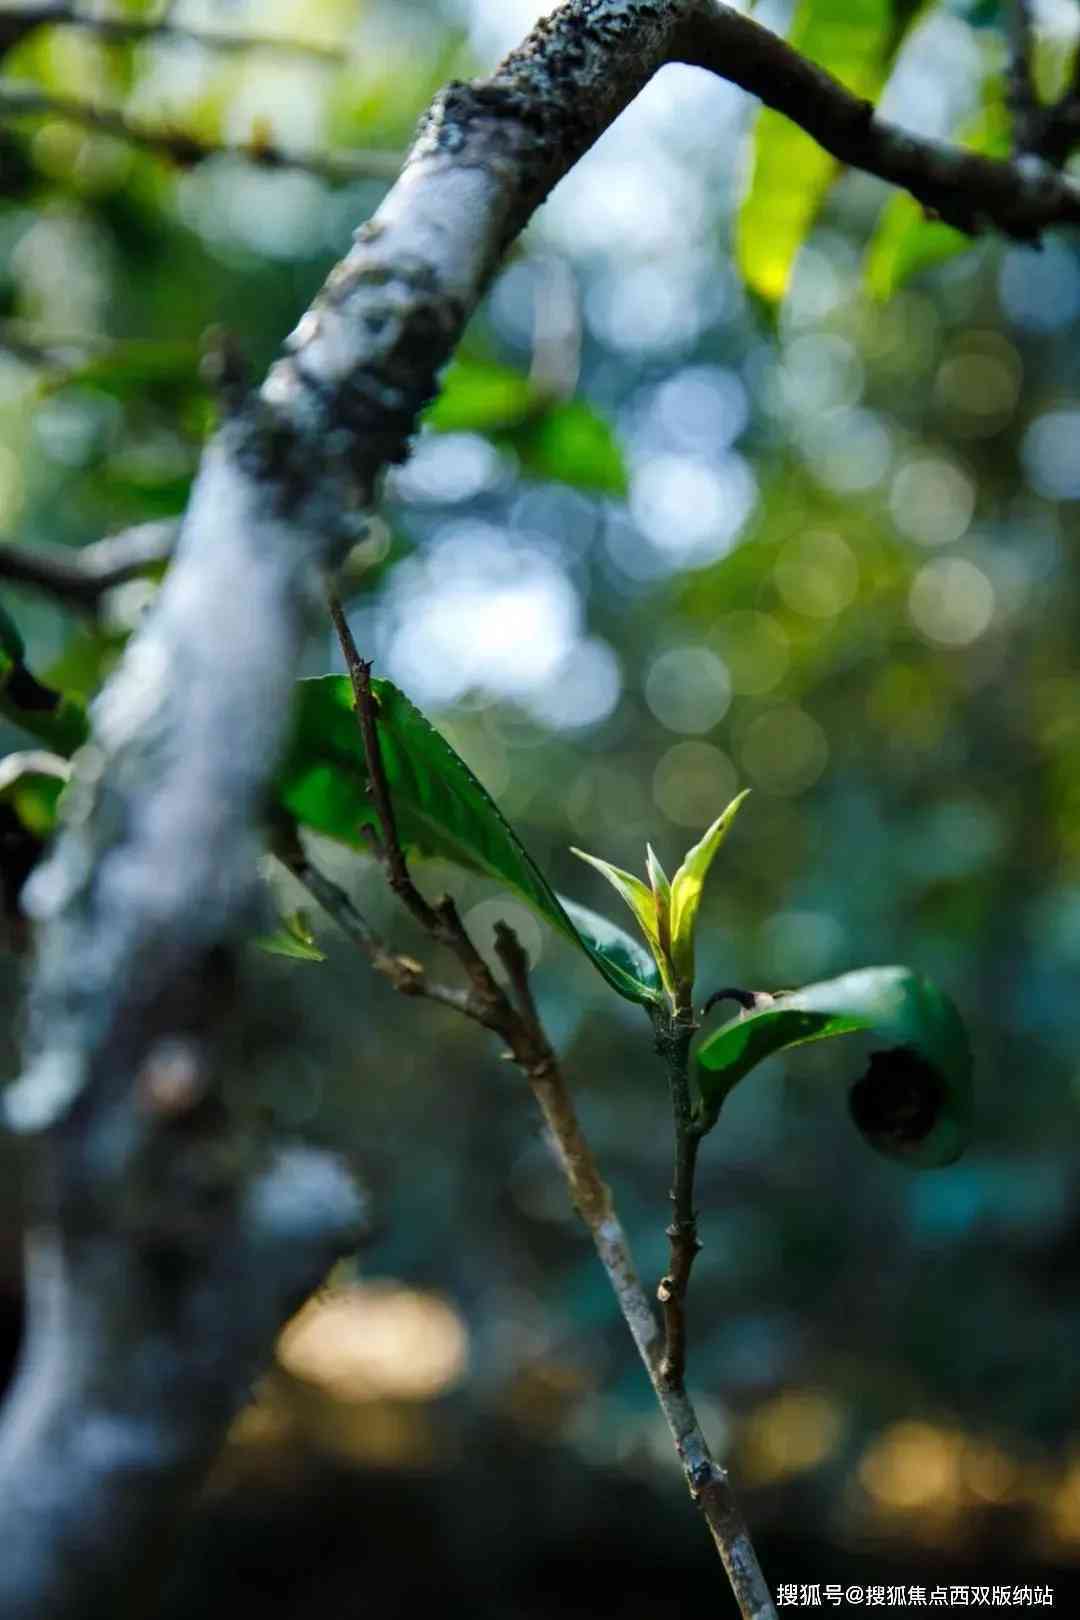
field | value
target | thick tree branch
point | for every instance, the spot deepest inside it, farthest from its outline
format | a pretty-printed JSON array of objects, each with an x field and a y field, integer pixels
[
  {"x": 971, "y": 192},
  {"x": 81, "y": 575},
  {"x": 20, "y": 100},
  {"x": 155, "y": 1291}
]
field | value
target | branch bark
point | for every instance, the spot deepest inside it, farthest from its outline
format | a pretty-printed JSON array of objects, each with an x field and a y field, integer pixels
[
  {"x": 17, "y": 21},
  {"x": 167, "y": 1246},
  {"x": 974, "y": 193}
]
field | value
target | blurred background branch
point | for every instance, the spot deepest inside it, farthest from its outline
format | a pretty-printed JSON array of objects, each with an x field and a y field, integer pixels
[
  {"x": 967, "y": 190},
  {"x": 80, "y": 576},
  {"x": 17, "y": 21},
  {"x": 19, "y": 100}
]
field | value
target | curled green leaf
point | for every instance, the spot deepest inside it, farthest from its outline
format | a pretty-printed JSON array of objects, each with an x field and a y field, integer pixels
[{"x": 914, "y": 1101}]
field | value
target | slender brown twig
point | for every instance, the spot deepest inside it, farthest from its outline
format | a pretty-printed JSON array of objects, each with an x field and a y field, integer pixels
[
  {"x": 407, "y": 975},
  {"x": 81, "y": 575},
  {"x": 517, "y": 1023},
  {"x": 511, "y": 1013},
  {"x": 440, "y": 920}
]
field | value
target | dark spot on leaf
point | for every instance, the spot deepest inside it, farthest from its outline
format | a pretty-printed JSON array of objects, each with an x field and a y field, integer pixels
[{"x": 898, "y": 1099}]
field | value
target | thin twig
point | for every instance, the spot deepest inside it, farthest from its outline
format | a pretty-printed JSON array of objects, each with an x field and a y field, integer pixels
[
  {"x": 20, "y": 20},
  {"x": 519, "y": 1026},
  {"x": 18, "y": 100},
  {"x": 673, "y": 1042},
  {"x": 405, "y": 974},
  {"x": 441, "y": 920},
  {"x": 81, "y": 575},
  {"x": 513, "y": 1016}
]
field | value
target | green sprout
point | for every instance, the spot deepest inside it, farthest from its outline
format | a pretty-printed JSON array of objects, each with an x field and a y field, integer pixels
[{"x": 666, "y": 911}]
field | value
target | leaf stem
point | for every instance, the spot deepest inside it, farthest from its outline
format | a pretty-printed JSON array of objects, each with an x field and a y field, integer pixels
[{"x": 674, "y": 1035}]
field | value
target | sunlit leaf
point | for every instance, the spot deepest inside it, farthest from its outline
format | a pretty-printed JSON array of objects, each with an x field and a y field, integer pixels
[
  {"x": 638, "y": 896},
  {"x": 661, "y": 890},
  {"x": 440, "y": 809},
  {"x": 686, "y": 887},
  {"x": 791, "y": 175},
  {"x": 913, "y": 1103}
]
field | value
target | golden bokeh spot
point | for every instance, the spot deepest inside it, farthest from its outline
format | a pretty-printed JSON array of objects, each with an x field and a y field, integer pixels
[
  {"x": 376, "y": 1341},
  {"x": 912, "y": 1465},
  {"x": 988, "y": 1472},
  {"x": 1064, "y": 1505},
  {"x": 788, "y": 1435}
]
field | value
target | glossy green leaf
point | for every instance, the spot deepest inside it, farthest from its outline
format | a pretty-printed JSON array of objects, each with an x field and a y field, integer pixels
[
  {"x": 906, "y": 240},
  {"x": 856, "y": 40},
  {"x": 440, "y": 808},
  {"x": 686, "y": 887},
  {"x": 605, "y": 939},
  {"x": 914, "y": 1102}
]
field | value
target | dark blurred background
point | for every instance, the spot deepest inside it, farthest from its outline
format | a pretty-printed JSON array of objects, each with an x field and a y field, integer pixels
[{"x": 826, "y": 549}]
